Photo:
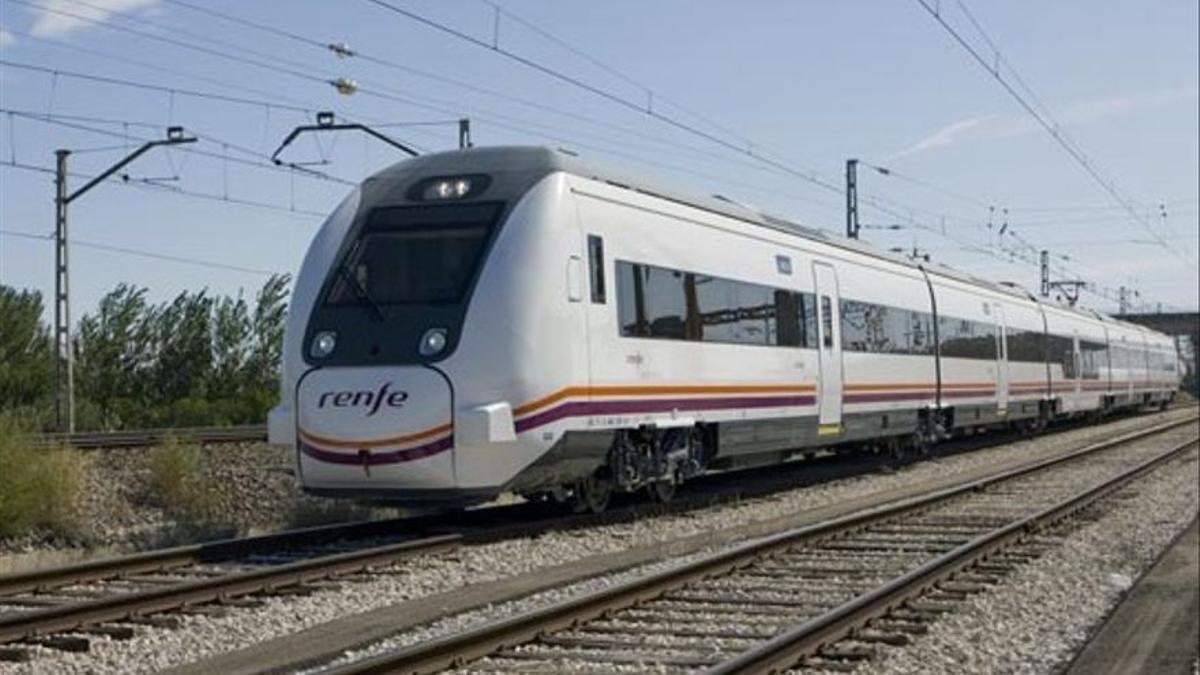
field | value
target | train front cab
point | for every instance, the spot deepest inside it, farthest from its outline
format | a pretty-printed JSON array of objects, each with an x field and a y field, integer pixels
[{"x": 389, "y": 347}]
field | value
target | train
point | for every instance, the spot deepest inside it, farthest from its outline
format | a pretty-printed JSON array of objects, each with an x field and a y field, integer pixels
[{"x": 517, "y": 320}]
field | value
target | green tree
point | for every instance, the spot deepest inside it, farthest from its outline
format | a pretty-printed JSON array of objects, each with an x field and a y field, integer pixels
[
  {"x": 231, "y": 348},
  {"x": 26, "y": 350},
  {"x": 184, "y": 340},
  {"x": 115, "y": 352},
  {"x": 270, "y": 315}
]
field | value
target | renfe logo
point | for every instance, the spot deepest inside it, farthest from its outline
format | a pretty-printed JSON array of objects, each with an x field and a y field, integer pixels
[{"x": 372, "y": 400}]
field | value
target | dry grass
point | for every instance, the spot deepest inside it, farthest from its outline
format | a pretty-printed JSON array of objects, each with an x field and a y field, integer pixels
[
  {"x": 40, "y": 486},
  {"x": 179, "y": 484}
]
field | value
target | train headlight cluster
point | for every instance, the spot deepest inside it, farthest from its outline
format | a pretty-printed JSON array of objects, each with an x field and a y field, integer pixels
[
  {"x": 432, "y": 342},
  {"x": 323, "y": 344},
  {"x": 449, "y": 188}
]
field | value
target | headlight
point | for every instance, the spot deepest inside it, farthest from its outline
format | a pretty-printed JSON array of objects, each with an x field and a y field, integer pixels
[
  {"x": 450, "y": 188},
  {"x": 323, "y": 344},
  {"x": 432, "y": 342}
]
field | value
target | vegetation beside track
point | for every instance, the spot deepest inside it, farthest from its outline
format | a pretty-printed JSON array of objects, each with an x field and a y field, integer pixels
[
  {"x": 40, "y": 486},
  {"x": 198, "y": 360},
  {"x": 180, "y": 484}
]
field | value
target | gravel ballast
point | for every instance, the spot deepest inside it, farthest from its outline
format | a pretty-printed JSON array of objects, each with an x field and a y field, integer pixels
[
  {"x": 1044, "y": 613},
  {"x": 201, "y": 636}
]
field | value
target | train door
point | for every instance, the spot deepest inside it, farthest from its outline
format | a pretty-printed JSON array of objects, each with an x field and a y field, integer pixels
[
  {"x": 829, "y": 333},
  {"x": 1107, "y": 364},
  {"x": 1076, "y": 376},
  {"x": 1001, "y": 359}
]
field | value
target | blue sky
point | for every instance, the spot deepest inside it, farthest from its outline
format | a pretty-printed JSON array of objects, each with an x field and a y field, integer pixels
[{"x": 805, "y": 83}]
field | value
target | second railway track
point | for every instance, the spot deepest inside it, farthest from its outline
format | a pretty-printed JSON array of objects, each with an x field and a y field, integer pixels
[{"x": 789, "y": 599}]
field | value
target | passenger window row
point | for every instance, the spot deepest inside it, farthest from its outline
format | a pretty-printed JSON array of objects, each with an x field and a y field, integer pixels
[{"x": 672, "y": 304}]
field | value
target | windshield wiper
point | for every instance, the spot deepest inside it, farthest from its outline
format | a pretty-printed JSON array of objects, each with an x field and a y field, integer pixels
[{"x": 364, "y": 297}]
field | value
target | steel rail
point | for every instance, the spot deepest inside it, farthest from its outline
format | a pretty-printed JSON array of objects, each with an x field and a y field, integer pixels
[
  {"x": 122, "y": 607},
  {"x": 461, "y": 648},
  {"x": 787, "y": 649},
  {"x": 214, "y": 551},
  {"x": 137, "y": 438}
]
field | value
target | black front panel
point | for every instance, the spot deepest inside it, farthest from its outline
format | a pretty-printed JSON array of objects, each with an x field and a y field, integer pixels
[{"x": 413, "y": 256}]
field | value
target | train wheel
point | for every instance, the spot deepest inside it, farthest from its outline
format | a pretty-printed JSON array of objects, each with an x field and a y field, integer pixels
[
  {"x": 662, "y": 491},
  {"x": 592, "y": 494}
]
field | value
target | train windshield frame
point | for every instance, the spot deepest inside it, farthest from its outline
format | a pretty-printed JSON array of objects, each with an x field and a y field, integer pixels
[{"x": 414, "y": 255}]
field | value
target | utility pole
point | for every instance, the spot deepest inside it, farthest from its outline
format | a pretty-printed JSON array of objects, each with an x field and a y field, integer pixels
[
  {"x": 852, "y": 198},
  {"x": 1123, "y": 301},
  {"x": 464, "y": 134},
  {"x": 64, "y": 363},
  {"x": 1045, "y": 260}
]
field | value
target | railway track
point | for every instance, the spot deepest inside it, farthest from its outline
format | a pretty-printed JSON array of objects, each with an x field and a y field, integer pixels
[
  {"x": 793, "y": 599},
  {"x": 63, "y": 607},
  {"x": 140, "y": 438}
]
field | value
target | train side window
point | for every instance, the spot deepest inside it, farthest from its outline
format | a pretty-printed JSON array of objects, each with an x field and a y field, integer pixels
[
  {"x": 827, "y": 321},
  {"x": 596, "y": 268}
]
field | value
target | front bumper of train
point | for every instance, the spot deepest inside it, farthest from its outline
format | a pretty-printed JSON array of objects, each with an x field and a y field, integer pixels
[{"x": 391, "y": 435}]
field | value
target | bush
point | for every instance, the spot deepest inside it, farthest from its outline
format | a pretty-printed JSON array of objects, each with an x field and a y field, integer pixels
[
  {"x": 179, "y": 484},
  {"x": 40, "y": 486}
]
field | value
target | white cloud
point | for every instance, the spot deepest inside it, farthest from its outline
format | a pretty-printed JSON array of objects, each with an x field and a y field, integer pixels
[
  {"x": 946, "y": 136},
  {"x": 51, "y": 18},
  {"x": 993, "y": 127},
  {"x": 7, "y": 39}
]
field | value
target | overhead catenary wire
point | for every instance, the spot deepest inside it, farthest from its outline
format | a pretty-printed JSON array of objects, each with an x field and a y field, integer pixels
[
  {"x": 539, "y": 133},
  {"x": 1047, "y": 122},
  {"x": 288, "y": 66},
  {"x": 378, "y": 92},
  {"x": 803, "y": 174},
  {"x": 159, "y": 187},
  {"x": 307, "y": 173},
  {"x": 653, "y": 96},
  {"x": 178, "y": 91},
  {"x": 141, "y": 253},
  {"x": 370, "y": 88}
]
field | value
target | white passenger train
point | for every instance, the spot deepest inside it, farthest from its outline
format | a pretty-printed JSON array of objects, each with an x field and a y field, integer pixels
[{"x": 513, "y": 320}]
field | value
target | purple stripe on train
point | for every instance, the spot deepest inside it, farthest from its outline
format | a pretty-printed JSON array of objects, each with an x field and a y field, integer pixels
[
  {"x": 590, "y": 408},
  {"x": 376, "y": 458}
]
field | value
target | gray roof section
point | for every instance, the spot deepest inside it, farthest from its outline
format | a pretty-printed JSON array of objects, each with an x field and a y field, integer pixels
[{"x": 542, "y": 158}]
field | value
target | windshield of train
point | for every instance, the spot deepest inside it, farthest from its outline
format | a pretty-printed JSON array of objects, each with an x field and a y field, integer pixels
[{"x": 414, "y": 255}]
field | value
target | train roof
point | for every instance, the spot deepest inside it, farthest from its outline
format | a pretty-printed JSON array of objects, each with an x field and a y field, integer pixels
[{"x": 543, "y": 159}]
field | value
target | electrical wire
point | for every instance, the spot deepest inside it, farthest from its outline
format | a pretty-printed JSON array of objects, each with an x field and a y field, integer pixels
[
  {"x": 434, "y": 104},
  {"x": 803, "y": 174},
  {"x": 1048, "y": 123},
  {"x": 58, "y": 120},
  {"x": 58, "y": 72},
  {"x": 158, "y": 187},
  {"x": 141, "y": 253}
]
